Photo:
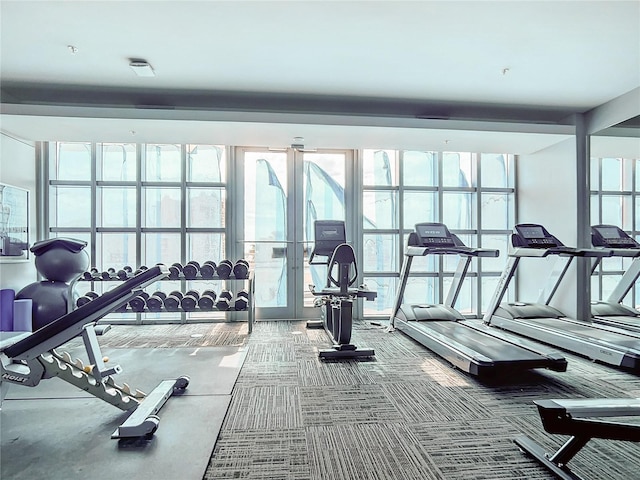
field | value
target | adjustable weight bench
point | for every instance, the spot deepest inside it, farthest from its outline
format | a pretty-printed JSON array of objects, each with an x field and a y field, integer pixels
[
  {"x": 578, "y": 418},
  {"x": 29, "y": 358}
]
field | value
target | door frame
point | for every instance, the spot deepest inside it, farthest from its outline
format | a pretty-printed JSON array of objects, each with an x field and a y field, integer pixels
[{"x": 295, "y": 286}]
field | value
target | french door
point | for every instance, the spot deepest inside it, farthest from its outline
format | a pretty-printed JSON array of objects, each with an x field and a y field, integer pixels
[{"x": 283, "y": 192}]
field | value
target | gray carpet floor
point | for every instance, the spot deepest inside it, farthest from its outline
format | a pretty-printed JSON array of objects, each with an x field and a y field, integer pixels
[{"x": 406, "y": 414}]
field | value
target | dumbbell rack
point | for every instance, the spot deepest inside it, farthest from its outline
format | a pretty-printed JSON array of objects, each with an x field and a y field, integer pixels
[{"x": 250, "y": 310}]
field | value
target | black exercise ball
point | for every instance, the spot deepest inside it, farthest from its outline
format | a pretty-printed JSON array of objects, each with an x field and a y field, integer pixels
[{"x": 50, "y": 301}]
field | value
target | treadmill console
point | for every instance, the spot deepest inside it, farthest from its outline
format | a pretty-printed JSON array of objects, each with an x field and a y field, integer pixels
[
  {"x": 610, "y": 236},
  {"x": 433, "y": 235},
  {"x": 530, "y": 235}
]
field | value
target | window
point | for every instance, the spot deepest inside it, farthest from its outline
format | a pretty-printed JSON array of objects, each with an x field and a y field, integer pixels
[
  {"x": 472, "y": 193},
  {"x": 140, "y": 204},
  {"x": 615, "y": 200}
]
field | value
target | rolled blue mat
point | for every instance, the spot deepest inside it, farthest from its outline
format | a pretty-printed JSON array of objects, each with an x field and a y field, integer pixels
[
  {"x": 22, "y": 313},
  {"x": 6, "y": 309}
]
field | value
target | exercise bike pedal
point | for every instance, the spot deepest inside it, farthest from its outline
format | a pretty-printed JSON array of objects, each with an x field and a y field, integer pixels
[
  {"x": 344, "y": 347},
  {"x": 315, "y": 324}
]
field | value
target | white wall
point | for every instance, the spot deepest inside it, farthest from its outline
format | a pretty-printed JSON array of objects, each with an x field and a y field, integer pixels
[
  {"x": 547, "y": 195},
  {"x": 18, "y": 168}
]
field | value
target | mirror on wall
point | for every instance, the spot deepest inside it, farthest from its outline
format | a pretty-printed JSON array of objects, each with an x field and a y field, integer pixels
[{"x": 615, "y": 200}]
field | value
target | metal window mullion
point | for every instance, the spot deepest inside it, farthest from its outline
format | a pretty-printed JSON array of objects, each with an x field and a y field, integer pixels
[
  {"x": 479, "y": 192},
  {"x": 183, "y": 203},
  {"x": 43, "y": 221},
  {"x": 94, "y": 204},
  {"x": 440, "y": 219},
  {"x": 139, "y": 196},
  {"x": 183, "y": 216},
  {"x": 401, "y": 202}
]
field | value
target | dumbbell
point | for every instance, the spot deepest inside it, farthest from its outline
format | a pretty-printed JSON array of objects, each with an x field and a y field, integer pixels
[
  {"x": 156, "y": 301},
  {"x": 172, "y": 302},
  {"x": 207, "y": 300},
  {"x": 122, "y": 308},
  {"x": 108, "y": 274},
  {"x": 124, "y": 273},
  {"x": 224, "y": 269},
  {"x": 139, "y": 303},
  {"x": 190, "y": 270},
  {"x": 224, "y": 300},
  {"x": 174, "y": 271},
  {"x": 92, "y": 274},
  {"x": 189, "y": 301},
  {"x": 86, "y": 298},
  {"x": 242, "y": 300},
  {"x": 140, "y": 269},
  {"x": 208, "y": 269},
  {"x": 241, "y": 269}
]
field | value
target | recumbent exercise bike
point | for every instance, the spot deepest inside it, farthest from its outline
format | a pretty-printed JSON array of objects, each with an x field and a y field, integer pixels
[{"x": 337, "y": 297}]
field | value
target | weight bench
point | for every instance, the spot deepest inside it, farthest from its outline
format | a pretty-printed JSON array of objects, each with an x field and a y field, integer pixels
[
  {"x": 576, "y": 418},
  {"x": 29, "y": 358},
  {"x": 338, "y": 295}
]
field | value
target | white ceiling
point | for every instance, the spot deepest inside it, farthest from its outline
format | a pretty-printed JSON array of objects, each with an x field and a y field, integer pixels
[{"x": 341, "y": 74}]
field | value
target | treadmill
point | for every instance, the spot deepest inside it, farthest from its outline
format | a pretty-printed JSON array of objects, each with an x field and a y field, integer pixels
[
  {"x": 469, "y": 345},
  {"x": 611, "y": 311},
  {"x": 544, "y": 323}
]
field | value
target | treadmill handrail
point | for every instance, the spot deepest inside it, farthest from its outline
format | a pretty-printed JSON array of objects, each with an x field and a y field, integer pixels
[
  {"x": 415, "y": 251},
  {"x": 625, "y": 252},
  {"x": 560, "y": 251}
]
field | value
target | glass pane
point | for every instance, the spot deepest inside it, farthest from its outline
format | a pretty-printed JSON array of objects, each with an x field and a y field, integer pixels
[
  {"x": 207, "y": 163},
  {"x": 265, "y": 189},
  {"x": 115, "y": 250},
  {"x": 458, "y": 169},
  {"x": 612, "y": 264},
  {"x": 380, "y": 252},
  {"x": 380, "y": 209},
  {"x": 496, "y": 170},
  {"x": 70, "y": 206},
  {"x": 162, "y": 163},
  {"x": 162, "y": 207},
  {"x": 489, "y": 286},
  {"x": 595, "y": 210},
  {"x": 116, "y": 207},
  {"x": 419, "y": 207},
  {"x": 616, "y": 210},
  {"x": 206, "y": 246},
  {"x": 161, "y": 248},
  {"x": 421, "y": 290},
  {"x": 206, "y": 207},
  {"x": 459, "y": 210},
  {"x": 323, "y": 194},
  {"x": 269, "y": 261},
  {"x": 427, "y": 263},
  {"x": 467, "y": 298},
  {"x": 612, "y": 174},
  {"x": 382, "y": 305},
  {"x": 74, "y": 162},
  {"x": 594, "y": 181},
  {"x": 497, "y": 211},
  {"x": 609, "y": 283},
  {"x": 379, "y": 167},
  {"x": 495, "y": 242},
  {"x": 118, "y": 162},
  {"x": 420, "y": 168}
]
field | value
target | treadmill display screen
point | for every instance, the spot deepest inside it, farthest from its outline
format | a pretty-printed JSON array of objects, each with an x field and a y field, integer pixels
[
  {"x": 427, "y": 231},
  {"x": 609, "y": 232},
  {"x": 531, "y": 232}
]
